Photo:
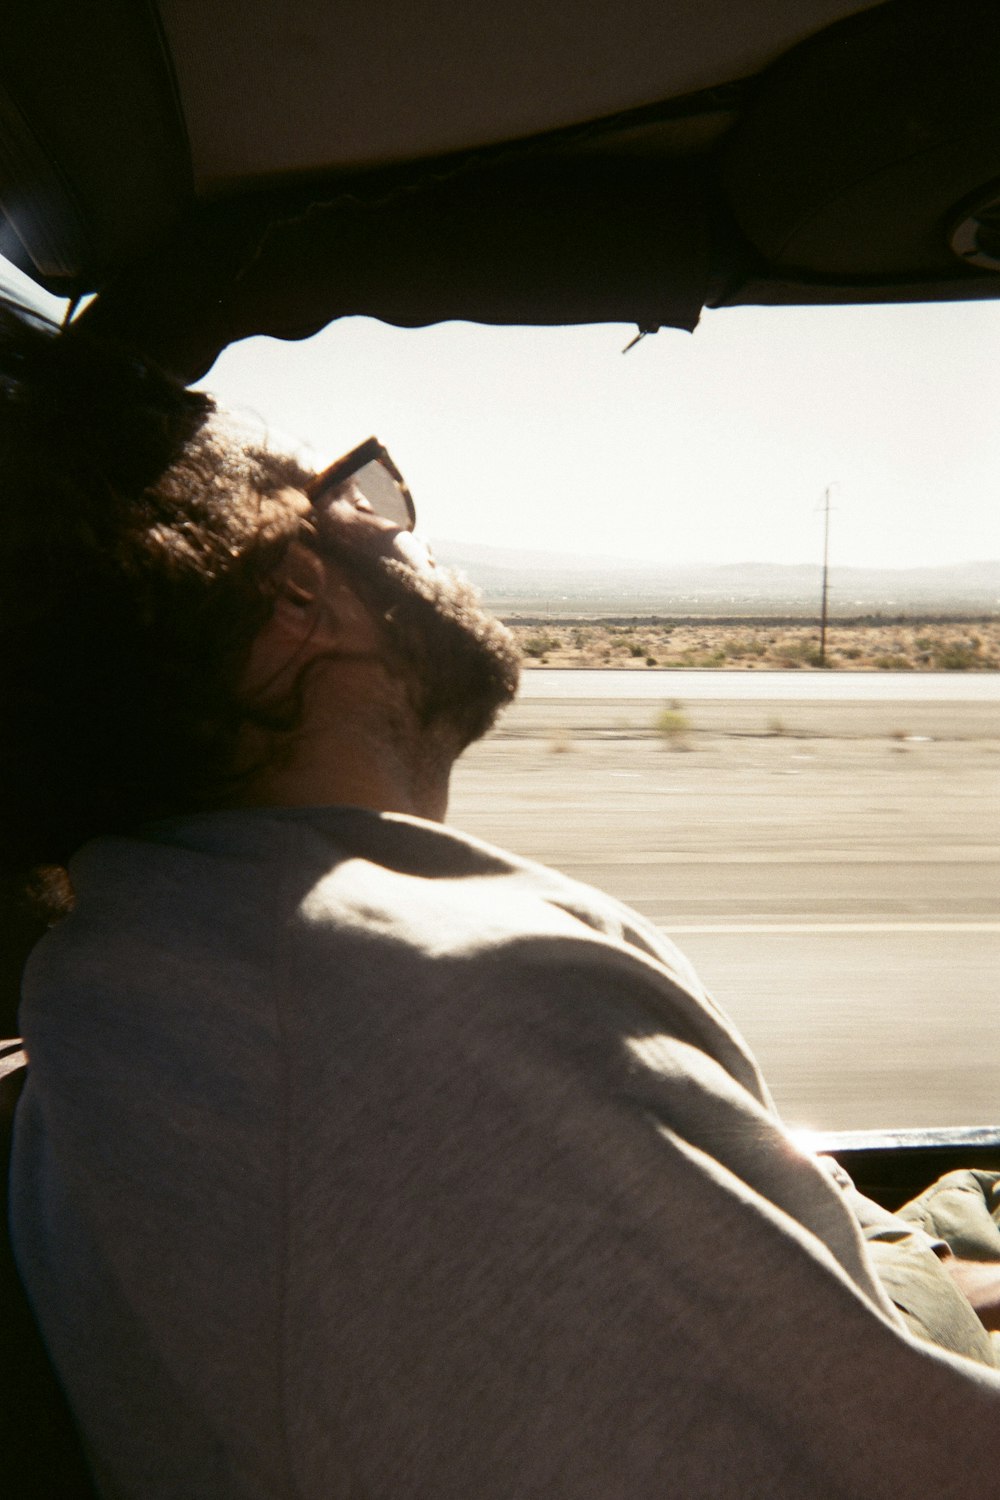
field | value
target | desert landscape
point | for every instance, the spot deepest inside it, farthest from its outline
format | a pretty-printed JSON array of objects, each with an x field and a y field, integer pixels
[{"x": 863, "y": 645}]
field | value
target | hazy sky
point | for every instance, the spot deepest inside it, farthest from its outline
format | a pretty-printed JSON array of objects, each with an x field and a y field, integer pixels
[{"x": 713, "y": 446}]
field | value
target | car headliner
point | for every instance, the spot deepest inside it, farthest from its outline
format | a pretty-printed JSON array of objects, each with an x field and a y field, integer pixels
[
  {"x": 270, "y": 89},
  {"x": 246, "y": 166}
]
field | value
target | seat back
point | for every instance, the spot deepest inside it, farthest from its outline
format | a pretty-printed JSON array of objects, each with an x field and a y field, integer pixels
[{"x": 41, "y": 1457}]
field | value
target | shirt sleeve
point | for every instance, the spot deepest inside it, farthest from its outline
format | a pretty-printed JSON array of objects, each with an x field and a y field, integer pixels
[{"x": 544, "y": 1242}]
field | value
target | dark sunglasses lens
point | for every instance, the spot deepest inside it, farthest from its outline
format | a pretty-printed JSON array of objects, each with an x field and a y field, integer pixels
[{"x": 386, "y": 496}]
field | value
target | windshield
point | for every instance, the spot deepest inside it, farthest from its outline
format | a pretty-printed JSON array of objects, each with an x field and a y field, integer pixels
[{"x": 818, "y": 830}]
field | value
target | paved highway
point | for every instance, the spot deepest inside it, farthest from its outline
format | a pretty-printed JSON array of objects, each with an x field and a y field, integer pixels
[
  {"x": 642, "y": 682},
  {"x": 832, "y": 869}
]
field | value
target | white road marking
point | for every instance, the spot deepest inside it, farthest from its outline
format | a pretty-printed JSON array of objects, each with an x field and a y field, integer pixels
[
  {"x": 941, "y": 855},
  {"x": 788, "y": 688},
  {"x": 749, "y": 928}
]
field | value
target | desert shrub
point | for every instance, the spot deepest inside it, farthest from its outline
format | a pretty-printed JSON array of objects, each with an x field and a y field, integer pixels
[
  {"x": 650, "y": 661},
  {"x": 538, "y": 645},
  {"x": 692, "y": 657},
  {"x": 747, "y": 646},
  {"x": 672, "y": 725},
  {"x": 892, "y": 664},
  {"x": 799, "y": 653},
  {"x": 959, "y": 656}
]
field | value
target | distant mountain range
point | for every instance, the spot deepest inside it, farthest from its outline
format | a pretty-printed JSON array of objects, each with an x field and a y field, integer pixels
[{"x": 522, "y": 582}]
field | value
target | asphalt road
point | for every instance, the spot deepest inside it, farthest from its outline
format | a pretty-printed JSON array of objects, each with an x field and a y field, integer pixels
[{"x": 832, "y": 869}]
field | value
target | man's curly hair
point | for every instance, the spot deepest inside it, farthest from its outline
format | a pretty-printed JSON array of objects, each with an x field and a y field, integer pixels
[{"x": 137, "y": 553}]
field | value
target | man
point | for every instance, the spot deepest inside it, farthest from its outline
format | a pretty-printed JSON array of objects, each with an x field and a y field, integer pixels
[{"x": 359, "y": 1158}]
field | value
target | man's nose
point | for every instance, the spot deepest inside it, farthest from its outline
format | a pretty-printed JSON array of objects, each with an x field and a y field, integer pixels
[{"x": 356, "y": 503}]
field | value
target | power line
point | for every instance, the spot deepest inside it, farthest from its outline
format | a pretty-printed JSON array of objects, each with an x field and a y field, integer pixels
[{"x": 826, "y": 575}]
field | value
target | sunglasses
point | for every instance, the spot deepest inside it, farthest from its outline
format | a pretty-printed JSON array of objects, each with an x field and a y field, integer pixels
[{"x": 370, "y": 469}]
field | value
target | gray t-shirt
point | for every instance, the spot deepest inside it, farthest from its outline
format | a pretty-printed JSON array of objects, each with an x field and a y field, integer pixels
[{"x": 359, "y": 1158}]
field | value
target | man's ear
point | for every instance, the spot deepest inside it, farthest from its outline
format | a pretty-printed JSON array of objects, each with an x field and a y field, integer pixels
[
  {"x": 316, "y": 613},
  {"x": 301, "y": 616}
]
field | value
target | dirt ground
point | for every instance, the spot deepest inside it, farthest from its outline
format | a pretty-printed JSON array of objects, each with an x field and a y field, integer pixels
[{"x": 930, "y": 646}]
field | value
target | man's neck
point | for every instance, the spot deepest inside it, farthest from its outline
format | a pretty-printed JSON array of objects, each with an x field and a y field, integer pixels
[
  {"x": 348, "y": 773},
  {"x": 353, "y": 752}
]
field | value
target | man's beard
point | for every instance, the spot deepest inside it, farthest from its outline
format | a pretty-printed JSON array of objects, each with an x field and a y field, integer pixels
[{"x": 458, "y": 663}]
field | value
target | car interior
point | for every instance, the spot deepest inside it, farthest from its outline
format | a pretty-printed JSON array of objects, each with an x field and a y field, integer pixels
[{"x": 187, "y": 176}]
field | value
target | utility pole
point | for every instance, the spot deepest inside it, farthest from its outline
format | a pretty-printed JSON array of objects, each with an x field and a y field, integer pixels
[{"x": 826, "y": 575}]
